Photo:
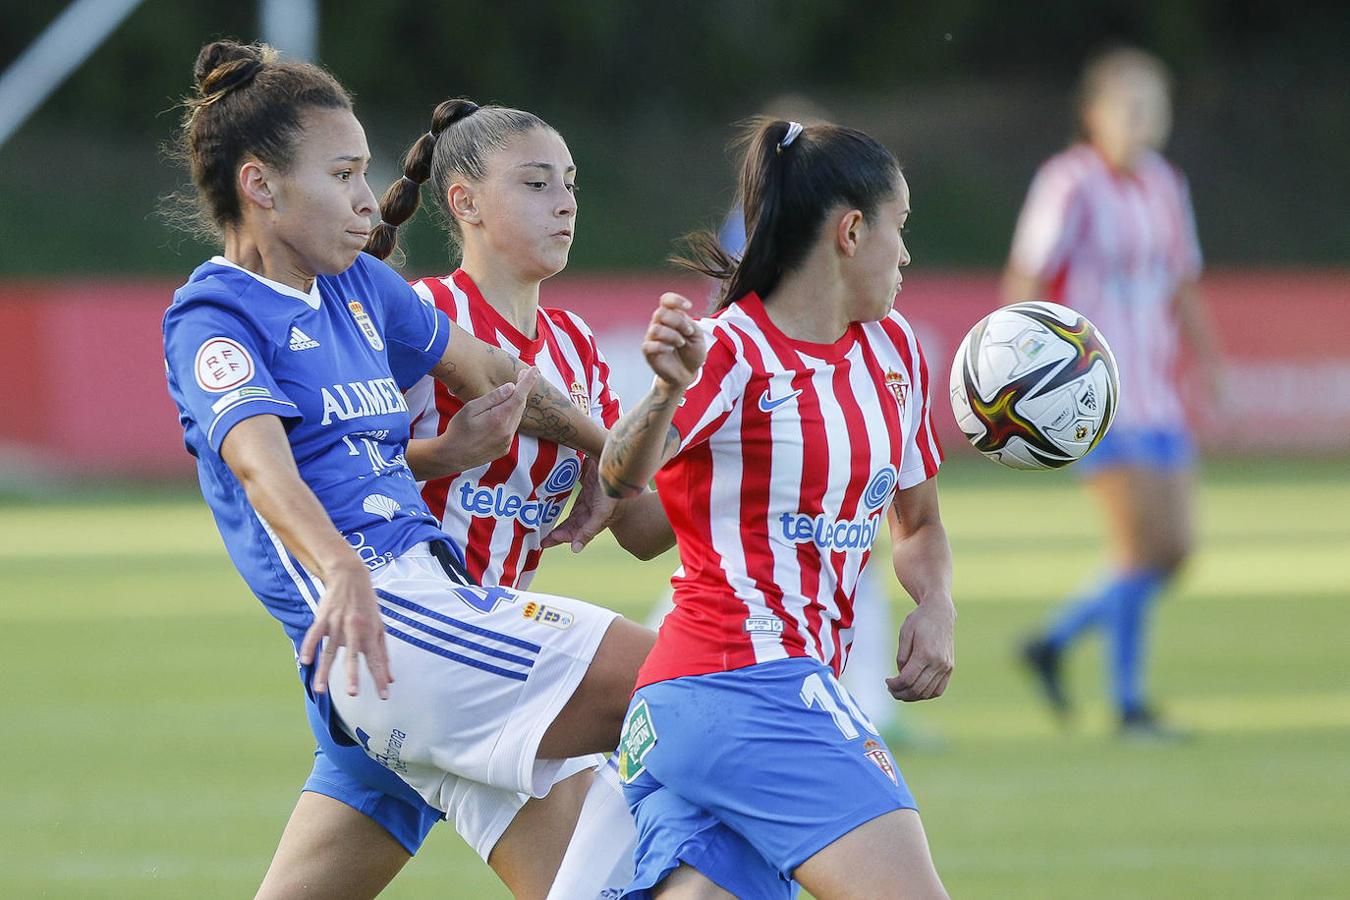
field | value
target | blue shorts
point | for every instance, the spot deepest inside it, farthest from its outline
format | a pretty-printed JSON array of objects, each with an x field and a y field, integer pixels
[
  {"x": 1155, "y": 449},
  {"x": 342, "y": 770},
  {"x": 746, "y": 774}
]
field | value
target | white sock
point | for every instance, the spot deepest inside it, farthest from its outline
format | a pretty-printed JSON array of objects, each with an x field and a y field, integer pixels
[
  {"x": 599, "y": 859},
  {"x": 872, "y": 659}
]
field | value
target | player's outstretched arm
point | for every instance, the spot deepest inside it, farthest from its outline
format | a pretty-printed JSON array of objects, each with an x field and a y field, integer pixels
[
  {"x": 471, "y": 368},
  {"x": 257, "y": 451},
  {"x": 923, "y": 562},
  {"x": 644, "y": 439},
  {"x": 479, "y": 433}
]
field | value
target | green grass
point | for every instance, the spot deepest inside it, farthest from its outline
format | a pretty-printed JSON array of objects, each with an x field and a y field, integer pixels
[{"x": 154, "y": 739}]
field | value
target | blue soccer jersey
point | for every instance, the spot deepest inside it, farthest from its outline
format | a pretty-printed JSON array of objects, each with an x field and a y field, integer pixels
[{"x": 332, "y": 364}]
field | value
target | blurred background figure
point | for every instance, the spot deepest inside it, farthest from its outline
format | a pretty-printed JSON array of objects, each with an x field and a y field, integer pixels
[{"x": 1107, "y": 228}]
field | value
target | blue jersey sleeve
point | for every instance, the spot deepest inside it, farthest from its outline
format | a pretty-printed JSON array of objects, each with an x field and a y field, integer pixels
[
  {"x": 415, "y": 331},
  {"x": 217, "y": 369}
]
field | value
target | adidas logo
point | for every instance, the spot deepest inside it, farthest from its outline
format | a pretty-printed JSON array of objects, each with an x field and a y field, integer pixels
[{"x": 301, "y": 341}]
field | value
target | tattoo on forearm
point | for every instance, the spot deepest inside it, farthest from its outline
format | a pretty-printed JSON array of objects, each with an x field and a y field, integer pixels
[
  {"x": 547, "y": 414},
  {"x": 631, "y": 440}
]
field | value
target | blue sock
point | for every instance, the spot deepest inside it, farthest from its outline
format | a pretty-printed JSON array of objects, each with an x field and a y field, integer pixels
[
  {"x": 1081, "y": 613},
  {"x": 1132, "y": 593}
]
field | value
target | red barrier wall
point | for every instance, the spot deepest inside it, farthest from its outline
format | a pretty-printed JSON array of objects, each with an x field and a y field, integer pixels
[{"x": 83, "y": 375}]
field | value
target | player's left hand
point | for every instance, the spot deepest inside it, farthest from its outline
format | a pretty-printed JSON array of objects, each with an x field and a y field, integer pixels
[
  {"x": 592, "y": 512},
  {"x": 482, "y": 431},
  {"x": 927, "y": 652}
]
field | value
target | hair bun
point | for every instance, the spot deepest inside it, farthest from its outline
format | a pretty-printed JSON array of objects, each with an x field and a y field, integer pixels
[{"x": 225, "y": 65}]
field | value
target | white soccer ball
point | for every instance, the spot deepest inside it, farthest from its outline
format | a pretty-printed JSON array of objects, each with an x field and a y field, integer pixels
[{"x": 1034, "y": 385}]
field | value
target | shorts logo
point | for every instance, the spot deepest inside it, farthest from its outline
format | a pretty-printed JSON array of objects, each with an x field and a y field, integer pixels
[
  {"x": 391, "y": 758},
  {"x": 548, "y": 615},
  {"x": 367, "y": 327},
  {"x": 878, "y": 755},
  {"x": 636, "y": 741},
  {"x": 222, "y": 364}
]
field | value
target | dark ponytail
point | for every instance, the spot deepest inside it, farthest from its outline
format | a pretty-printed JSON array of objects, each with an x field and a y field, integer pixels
[
  {"x": 791, "y": 178},
  {"x": 461, "y": 137},
  {"x": 400, "y": 201}
]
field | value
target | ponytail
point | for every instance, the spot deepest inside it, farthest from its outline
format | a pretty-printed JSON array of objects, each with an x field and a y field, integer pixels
[
  {"x": 791, "y": 178},
  {"x": 462, "y": 134},
  {"x": 400, "y": 201}
]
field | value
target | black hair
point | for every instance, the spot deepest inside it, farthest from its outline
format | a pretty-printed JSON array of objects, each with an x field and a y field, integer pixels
[{"x": 786, "y": 189}]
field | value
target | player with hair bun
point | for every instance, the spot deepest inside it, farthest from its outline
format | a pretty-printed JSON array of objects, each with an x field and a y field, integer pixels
[
  {"x": 781, "y": 431},
  {"x": 1107, "y": 228},
  {"x": 287, "y": 356}
]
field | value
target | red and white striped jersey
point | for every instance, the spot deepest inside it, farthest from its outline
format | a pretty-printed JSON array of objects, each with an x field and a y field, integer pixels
[
  {"x": 500, "y": 512},
  {"x": 790, "y": 454},
  {"x": 1115, "y": 246}
]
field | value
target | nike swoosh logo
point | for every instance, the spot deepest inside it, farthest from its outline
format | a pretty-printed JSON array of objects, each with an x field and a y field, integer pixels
[{"x": 767, "y": 405}]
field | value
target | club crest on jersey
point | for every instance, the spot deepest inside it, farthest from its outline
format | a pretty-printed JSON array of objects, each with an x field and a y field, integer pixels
[
  {"x": 580, "y": 396},
  {"x": 898, "y": 384},
  {"x": 547, "y": 615},
  {"x": 635, "y": 742},
  {"x": 878, "y": 755},
  {"x": 366, "y": 326}
]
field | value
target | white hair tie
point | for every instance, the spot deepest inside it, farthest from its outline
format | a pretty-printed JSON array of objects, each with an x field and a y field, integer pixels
[{"x": 794, "y": 129}]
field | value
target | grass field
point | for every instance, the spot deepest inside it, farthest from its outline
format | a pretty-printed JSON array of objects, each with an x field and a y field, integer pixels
[{"x": 154, "y": 739}]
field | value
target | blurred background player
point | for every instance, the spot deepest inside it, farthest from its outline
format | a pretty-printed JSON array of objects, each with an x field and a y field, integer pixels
[
  {"x": 779, "y": 438},
  {"x": 1107, "y": 228}
]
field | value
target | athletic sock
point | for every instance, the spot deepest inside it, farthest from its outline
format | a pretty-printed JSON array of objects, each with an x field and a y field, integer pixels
[
  {"x": 872, "y": 658},
  {"x": 1081, "y": 613},
  {"x": 599, "y": 858},
  {"x": 1133, "y": 594}
]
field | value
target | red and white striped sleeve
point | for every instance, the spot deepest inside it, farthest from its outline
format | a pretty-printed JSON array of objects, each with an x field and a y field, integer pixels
[
  {"x": 1050, "y": 220},
  {"x": 922, "y": 454},
  {"x": 720, "y": 383},
  {"x": 605, "y": 406}
]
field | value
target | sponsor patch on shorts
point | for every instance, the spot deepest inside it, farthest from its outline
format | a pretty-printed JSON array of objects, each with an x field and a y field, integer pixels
[
  {"x": 548, "y": 615},
  {"x": 636, "y": 741},
  {"x": 878, "y": 755}
]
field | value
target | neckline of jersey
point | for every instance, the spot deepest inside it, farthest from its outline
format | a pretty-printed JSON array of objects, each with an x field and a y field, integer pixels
[
  {"x": 526, "y": 346},
  {"x": 754, "y": 308},
  {"x": 313, "y": 299}
]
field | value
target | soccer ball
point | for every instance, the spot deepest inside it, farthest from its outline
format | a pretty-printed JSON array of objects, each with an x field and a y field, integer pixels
[{"x": 1034, "y": 386}]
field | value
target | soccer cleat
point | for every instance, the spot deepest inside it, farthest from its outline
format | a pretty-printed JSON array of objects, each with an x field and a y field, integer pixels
[
  {"x": 1044, "y": 662},
  {"x": 1143, "y": 725}
]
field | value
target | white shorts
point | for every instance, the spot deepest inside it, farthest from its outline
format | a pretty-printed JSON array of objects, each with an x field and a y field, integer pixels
[{"x": 480, "y": 674}]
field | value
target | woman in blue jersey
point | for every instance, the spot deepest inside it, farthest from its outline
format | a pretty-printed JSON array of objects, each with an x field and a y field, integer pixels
[
  {"x": 1107, "y": 228},
  {"x": 286, "y": 357}
]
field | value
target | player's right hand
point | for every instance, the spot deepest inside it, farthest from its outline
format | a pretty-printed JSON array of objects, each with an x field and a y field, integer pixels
[
  {"x": 674, "y": 344},
  {"x": 348, "y": 616}
]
